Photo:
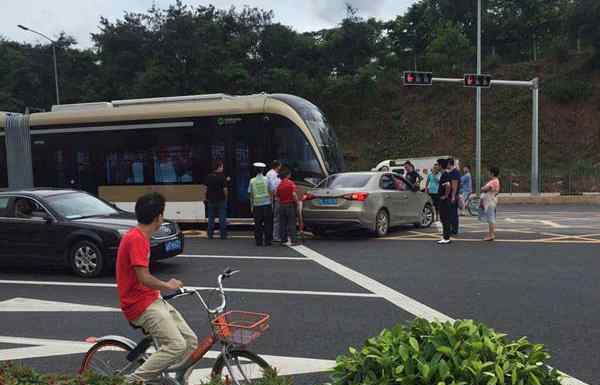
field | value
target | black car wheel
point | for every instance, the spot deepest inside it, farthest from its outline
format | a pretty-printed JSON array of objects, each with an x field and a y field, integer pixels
[
  {"x": 427, "y": 216},
  {"x": 382, "y": 223},
  {"x": 86, "y": 259}
]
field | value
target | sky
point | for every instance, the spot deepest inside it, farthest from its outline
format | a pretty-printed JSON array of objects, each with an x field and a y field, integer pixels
[{"x": 79, "y": 18}]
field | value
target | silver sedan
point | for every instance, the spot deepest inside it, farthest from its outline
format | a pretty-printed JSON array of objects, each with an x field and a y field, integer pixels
[{"x": 374, "y": 201}]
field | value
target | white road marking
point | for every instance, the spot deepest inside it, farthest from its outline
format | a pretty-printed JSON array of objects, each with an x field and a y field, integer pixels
[
  {"x": 230, "y": 290},
  {"x": 543, "y": 222},
  {"x": 402, "y": 301},
  {"x": 36, "y": 305},
  {"x": 286, "y": 366},
  {"x": 242, "y": 257},
  {"x": 51, "y": 348},
  {"x": 41, "y": 348}
]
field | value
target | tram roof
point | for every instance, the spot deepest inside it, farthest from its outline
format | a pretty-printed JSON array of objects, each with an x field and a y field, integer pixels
[{"x": 159, "y": 108}]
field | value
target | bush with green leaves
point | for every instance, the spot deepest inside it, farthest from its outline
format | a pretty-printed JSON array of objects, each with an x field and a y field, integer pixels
[
  {"x": 14, "y": 374},
  {"x": 452, "y": 353}
]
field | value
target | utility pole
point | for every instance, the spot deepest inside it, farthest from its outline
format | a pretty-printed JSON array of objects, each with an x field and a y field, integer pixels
[{"x": 478, "y": 107}]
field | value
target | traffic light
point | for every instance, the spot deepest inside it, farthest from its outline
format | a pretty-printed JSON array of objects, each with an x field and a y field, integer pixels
[
  {"x": 474, "y": 80},
  {"x": 413, "y": 78}
]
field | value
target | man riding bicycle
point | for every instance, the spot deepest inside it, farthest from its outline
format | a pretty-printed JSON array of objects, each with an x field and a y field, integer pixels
[{"x": 139, "y": 294}]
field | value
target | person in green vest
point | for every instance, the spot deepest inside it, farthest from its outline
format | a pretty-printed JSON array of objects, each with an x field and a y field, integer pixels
[{"x": 261, "y": 204}]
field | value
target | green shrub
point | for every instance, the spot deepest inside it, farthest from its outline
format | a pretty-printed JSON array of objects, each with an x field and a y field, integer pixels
[
  {"x": 13, "y": 374},
  {"x": 459, "y": 353}
]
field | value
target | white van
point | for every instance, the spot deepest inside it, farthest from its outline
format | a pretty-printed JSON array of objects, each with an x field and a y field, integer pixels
[{"x": 421, "y": 164}]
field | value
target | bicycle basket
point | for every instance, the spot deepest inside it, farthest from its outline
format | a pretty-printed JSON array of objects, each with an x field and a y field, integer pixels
[{"x": 240, "y": 327}]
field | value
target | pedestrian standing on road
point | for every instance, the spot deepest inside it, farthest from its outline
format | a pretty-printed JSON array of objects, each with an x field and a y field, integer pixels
[
  {"x": 466, "y": 189},
  {"x": 261, "y": 204},
  {"x": 454, "y": 175},
  {"x": 423, "y": 184},
  {"x": 432, "y": 188},
  {"x": 216, "y": 196},
  {"x": 489, "y": 202},
  {"x": 288, "y": 201},
  {"x": 445, "y": 192},
  {"x": 411, "y": 175},
  {"x": 273, "y": 178}
]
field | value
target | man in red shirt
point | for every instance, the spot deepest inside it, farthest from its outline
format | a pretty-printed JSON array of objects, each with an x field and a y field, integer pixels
[
  {"x": 139, "y": 294},
  {"x": 288, "y": 199}
]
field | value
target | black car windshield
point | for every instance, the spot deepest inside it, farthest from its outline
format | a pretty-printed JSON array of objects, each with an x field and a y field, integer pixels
[
  {"x": 79, "y": 205},
  {"x": 341, "y": 181}
]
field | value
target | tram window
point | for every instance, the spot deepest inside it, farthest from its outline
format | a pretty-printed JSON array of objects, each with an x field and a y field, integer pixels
[
  {"x": 125, "y": 168},
  {"x": 294, "y": 150},
  {"x": 173, "y": 164}
]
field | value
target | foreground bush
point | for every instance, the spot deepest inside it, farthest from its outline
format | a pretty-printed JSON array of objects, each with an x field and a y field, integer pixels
[
  {"x": 431, "y": 353},
  {"x": 11, "y": 374}
]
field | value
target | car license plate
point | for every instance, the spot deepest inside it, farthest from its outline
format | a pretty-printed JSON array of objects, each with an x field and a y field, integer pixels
[
  {"x": 173, "y": 245},
  {"x": 328, "y": 201}
]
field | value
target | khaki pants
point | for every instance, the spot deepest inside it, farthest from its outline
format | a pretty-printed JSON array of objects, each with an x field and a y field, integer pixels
[{"x": 174, "y": 337}]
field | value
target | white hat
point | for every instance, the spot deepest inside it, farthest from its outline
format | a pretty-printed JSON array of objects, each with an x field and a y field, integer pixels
[{"x": 260, "y": 165}]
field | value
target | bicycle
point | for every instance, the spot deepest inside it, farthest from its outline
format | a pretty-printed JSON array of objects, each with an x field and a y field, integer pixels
[
  {"x": 235, "y": 330},
  {"x": 472, "y": 204}
]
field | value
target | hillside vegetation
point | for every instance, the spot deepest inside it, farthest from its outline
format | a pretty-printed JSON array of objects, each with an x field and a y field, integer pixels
[{"x": 353, "y": 72}]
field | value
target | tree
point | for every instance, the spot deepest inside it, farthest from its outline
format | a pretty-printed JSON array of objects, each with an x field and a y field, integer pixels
[{"x": 449, "y": 52}]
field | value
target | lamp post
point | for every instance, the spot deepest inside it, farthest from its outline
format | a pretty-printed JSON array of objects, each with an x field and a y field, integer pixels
[{"x": 53, "y": 56}]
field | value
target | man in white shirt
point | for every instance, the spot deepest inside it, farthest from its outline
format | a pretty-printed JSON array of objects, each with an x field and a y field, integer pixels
[{"x": 273, "y": 179}]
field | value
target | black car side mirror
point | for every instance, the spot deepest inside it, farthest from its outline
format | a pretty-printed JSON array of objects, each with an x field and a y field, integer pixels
[{"x": 44, "y": 216}]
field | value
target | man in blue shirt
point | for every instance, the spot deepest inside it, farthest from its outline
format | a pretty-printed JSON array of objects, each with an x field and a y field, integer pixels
[
  {"x": 466, "y": 187},
  {"x": 454, "y": 176}
]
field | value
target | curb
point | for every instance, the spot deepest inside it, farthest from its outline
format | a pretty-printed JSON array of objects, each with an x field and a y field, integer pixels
[{"x": 550, "y": 199}]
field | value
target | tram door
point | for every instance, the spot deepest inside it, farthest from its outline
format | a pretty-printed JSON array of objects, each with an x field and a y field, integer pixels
[{"x": 239, "y": 142}]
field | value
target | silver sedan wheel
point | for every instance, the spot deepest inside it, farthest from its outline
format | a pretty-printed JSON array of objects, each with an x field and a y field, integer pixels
[
  {"x": 382, "y": 223},
  {"x": 426, "y": 216},
  {"x": 86, "y": 260}
]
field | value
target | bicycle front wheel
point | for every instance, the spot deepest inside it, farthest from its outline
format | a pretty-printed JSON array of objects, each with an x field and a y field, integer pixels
[
  {"x": 240, "y": 367},
  {"x": 473, "y": 206},
  {"x": 108, "y": 358}
]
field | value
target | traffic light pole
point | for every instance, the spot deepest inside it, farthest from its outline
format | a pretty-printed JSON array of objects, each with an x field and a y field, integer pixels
[
  {"x": 535, "y": 137},
  {"x": 478, "y": 107}
]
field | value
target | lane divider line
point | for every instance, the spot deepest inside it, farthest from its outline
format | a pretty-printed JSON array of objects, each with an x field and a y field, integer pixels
[
  {"x": 243, "y": 257},
  {"x": 232, "y": 290},
  {"x": 402, "y": 301}
]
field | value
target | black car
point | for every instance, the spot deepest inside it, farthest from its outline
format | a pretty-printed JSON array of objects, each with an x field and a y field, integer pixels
[{"x": 71, "y": 228}]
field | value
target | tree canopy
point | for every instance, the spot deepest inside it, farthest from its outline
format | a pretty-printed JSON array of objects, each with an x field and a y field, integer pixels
[{"x": 351, "y": 70}]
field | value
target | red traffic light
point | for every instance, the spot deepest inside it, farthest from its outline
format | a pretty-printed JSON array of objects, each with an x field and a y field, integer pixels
[
  {"x": 474, "y": 80},
  {"x": 414, "y": 78}
]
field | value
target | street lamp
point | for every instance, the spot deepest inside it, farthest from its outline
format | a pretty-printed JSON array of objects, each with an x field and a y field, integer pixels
[{"x": 53, "y": 56}]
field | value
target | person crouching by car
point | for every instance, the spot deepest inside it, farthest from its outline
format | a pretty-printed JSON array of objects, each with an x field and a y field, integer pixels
[
  {"x": 288, "y": 200},
  {"x": 261, "y": 206}
]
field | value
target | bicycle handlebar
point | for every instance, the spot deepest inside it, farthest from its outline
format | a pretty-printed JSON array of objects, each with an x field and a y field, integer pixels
[{"x": 182, "y": 292}]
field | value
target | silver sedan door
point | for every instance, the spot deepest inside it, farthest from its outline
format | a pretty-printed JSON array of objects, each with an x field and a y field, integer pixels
[{"x": 394, "y": 199}]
